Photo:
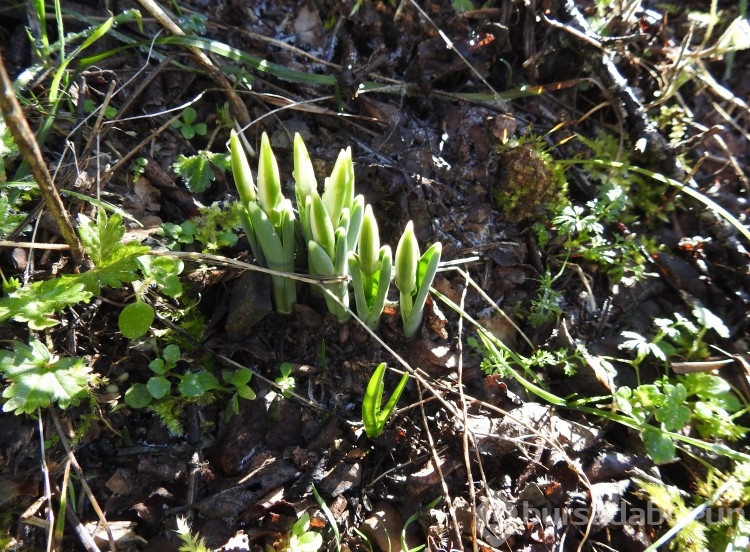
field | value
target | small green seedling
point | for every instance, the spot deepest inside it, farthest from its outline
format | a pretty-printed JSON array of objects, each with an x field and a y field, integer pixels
[
  {"x": 414, "y": 276},
  {"x": 138, "y": 168},
  {"x": 176, "y": 235},
  {"x": 190, "y": 385},
  {"x": 163, "y": 272},
  {"x": 190, "y": 542},
  {"x": 213, "y": 228},
  {"x": 301, "y": 539},
  {"x": 704, "y": 400},
  {"x": 240, "y": 380},
  {"x": 188, "y": 127},
  {"x": 373, "y": 416},
  {"x": 198, "y": 170},
  {"x": 286, "y": 381},
  {"x": 140, "y": 395}
]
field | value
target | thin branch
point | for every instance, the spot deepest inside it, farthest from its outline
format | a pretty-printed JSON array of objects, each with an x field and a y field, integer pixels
[
  {"x": 84, "y": 484},
  {"x": 32, "y": 153}
]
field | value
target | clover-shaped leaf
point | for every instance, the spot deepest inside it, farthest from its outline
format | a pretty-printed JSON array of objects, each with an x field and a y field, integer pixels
[
  {"x": 188, "y": 127},
  {"x": 196, "y": 384}
]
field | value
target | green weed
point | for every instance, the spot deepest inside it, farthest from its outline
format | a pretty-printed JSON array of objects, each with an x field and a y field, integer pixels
[
  {"x": 190, "y": 542},
  {"x": 301, "y": 538},
  {"x": 214, "y": 228},
  {"x": 197, "y": 171},
  {"x": 188, "y": 126},
  {"x": 285, "y": 382},
  {"x": 339, "y": 237}
]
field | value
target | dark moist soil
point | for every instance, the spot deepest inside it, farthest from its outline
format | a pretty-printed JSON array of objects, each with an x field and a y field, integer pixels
[{"x": 423, "y": 153}]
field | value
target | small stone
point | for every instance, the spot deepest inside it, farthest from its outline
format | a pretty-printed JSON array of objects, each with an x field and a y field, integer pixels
[{"x": 251, "y": 301}]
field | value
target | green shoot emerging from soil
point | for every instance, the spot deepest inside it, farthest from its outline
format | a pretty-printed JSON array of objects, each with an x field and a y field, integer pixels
[
  {"x": 340, "y": 238},
  {"x": 374, "y": 414}
]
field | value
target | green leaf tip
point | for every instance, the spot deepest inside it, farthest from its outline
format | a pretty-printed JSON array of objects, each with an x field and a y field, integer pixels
[
  {"x": 269, "y": 181},
  {"x": 243, "y": 176}
]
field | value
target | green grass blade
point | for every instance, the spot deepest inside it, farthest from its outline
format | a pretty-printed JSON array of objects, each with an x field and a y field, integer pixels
[
  {"x": 97, "y": 33},
  {"x": 255, "y": 62},
  {"x": 329, "y": 516},
  {"x": 529, "y": 386}
]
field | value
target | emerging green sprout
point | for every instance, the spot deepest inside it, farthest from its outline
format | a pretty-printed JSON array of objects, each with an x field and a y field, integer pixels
[
  {"x": 374, "y": 413},
  {"x": 323, "y": 263},
  {"x": 268, "y": 219},
  {"x": 330, "y": 223},
  {"x": 305, "y": 184},
  {"x": 370, "y": 270},
  {"x": 338, "y": 231},
  {"x": 338, "y": 193},
  {"x": 414, "y": 275}
]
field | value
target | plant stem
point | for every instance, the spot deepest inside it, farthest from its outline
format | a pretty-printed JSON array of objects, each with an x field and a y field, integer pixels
[{"x": 29, "y": 148}]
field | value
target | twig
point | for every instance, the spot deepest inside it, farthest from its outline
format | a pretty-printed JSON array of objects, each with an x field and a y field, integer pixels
[
  {"x": 79, "y": 471},
  {"x": 449, "y": 43},
  {"x": 436, "y": 462},
  {"x": 610, "y": 75},
  {"x": 465, "y": 437},
  {"x": 31, "y": 245},
  {"x": 29, "y": 148},
  {"x": 47, "y": 486},
  {"x": 234, "y": 263}
]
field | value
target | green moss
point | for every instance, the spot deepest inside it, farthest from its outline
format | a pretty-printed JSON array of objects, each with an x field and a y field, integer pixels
[{"x": 528, "y": 182}]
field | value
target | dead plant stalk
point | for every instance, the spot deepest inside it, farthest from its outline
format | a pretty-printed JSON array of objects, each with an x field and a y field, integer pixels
[{"x": 32, "y": 153}]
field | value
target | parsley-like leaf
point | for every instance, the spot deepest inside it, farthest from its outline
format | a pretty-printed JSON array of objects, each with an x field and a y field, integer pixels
[
  {"x": 114, "y": 261},
  {"x": 39, "y": 378},
  {"x": 165, "y": 271},
  {"x": 672, "y": 412},
  {"x": 196, "y": 170},
  {"x": 36, "y": 303},
  {"x": 101, "y": 238},
  {"x": 660, "y": 446}
]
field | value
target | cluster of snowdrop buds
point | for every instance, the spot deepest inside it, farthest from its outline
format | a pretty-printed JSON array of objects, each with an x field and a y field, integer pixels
[{"x": 336, "y": 233}]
